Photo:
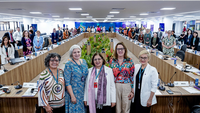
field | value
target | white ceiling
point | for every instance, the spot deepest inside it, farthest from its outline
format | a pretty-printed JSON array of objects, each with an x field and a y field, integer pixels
[{"x": 98, "y": 9}]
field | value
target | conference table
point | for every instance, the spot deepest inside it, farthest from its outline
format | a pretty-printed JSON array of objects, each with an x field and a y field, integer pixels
[
  {"x": 26, "y": 71},
  {"x": 191, "y": 57}
]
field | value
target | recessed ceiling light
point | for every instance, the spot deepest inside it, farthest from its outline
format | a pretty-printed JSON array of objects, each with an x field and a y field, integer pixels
[
  {"x": 55, "y": 16},
  {"x": 168, "y": 8},
  {"x": 35, "y": 12},
  {"x": 110, "y": 15},
  {"x": 178, "y": 15},
  {"x": 66, "y": 18},
  {"x": 75, "y": 8},
  {"x": 132, "y": 16},
  {"x": 88, "y": 16},
  {"x": 144, "y": 14},
  {"x": 114, "y": 12},
  {"x": 16, "y": 17},
  {"x": 84, "y": 14},
  {"x": 189, "y": 16}
]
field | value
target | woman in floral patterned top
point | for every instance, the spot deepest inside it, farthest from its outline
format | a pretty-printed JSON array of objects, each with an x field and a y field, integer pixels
[
  {"x": 168, "y": 44},
  {"x": 123, "y": 70}
]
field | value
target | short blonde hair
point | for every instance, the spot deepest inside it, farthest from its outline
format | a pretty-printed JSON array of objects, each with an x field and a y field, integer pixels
[
  {"x": 38, "y": 32},
  {"x": 146, "y": 53}
]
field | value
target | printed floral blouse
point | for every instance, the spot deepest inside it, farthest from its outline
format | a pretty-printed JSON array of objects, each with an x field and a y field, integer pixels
[{"x": 123, "y": 73}]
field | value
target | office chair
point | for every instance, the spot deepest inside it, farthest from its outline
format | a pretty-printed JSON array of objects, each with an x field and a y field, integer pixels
[
  {"x": 181, "y": 55},
  {"x": 184, "y": 47}
]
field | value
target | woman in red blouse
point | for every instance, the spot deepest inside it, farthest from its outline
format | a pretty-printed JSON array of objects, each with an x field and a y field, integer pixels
[{"x": 123, "y": 70}]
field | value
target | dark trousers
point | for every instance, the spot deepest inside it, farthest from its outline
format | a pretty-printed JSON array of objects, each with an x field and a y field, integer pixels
[
  {"x": 58, "y": 110},
  {"x": 19, "y": 43},
  {"x": 106, "y": 109}
]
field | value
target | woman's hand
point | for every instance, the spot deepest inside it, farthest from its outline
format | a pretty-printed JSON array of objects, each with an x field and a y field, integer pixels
[
  {"x": 48, "y": 109},
  {"x": 85, "y": 102},
  {"x": 130, "y": 96},
  {"x": 192, "y": 48},
  {"x": 149, "y": 102},
  {"x": 73, "y": 99},
  {"x": 113, "y": 105},
  {"x": 54, "y": 40},
  {"x": 7, "y": 58}
]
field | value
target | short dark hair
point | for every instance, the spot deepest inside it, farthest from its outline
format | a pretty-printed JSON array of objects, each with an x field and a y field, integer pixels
[
  {"x": 31, "y": 31},
  {"x": 196, "y": 33},
  {"x": 104, "y": 62},
  {"x": 49, "y": 56}
]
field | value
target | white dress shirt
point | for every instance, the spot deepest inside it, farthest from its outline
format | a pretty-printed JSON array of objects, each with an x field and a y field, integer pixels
[{"x": 17, "y": 36}]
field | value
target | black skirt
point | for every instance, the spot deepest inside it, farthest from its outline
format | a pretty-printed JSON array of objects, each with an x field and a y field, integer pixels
[{"x": 136, "y": 107}]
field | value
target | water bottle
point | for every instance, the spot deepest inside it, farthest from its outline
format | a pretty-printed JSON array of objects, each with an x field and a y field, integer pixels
[
  {"x": 175, "y": 61},
  {"x": 35, "y": 53},
  {"x": 156, "y": 53},
  {"x": 158, "y": 83},
  {"x": 196, "y": 82},
  {"x": 195, "y": 52}
]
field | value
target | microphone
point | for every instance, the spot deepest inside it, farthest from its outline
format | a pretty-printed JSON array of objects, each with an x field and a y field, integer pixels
[
  {"x": 162, "y": 88},
  {"x": 171, "y": 84},
  {"x": 17, "y": 86},
  {"x": 4, "y": 69}
]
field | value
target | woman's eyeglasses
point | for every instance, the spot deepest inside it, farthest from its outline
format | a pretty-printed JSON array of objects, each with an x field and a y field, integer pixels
[
  {"x": 120, "y": 49},
  {"x": 144, "y": 58},
  {"x": 97, "y": 59},
  {"x": 54, "y": 60}
]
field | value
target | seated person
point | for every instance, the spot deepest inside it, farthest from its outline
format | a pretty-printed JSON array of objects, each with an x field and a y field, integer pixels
[
  {"x": 38, "y": 42},
  {"x": 182, "y": 37}
]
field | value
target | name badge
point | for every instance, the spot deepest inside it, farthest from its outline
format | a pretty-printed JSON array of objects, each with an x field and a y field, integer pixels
[
  {"x": 95, "y": 84},
  {"x": 188, "y": 40}
]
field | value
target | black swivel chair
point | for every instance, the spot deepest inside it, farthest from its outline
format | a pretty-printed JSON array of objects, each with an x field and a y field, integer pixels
[
  {"x": 184, "y": 47},
  {"x": 181, "y": 55}
]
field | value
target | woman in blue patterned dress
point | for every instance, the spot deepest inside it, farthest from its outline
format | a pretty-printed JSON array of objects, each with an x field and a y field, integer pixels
[{"x": 75, "y": 73}]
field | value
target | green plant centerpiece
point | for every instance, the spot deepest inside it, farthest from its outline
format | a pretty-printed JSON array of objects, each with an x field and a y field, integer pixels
[{"x": 102, "y": 41}]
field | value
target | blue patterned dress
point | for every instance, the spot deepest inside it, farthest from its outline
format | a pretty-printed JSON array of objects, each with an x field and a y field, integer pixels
[{"x": 73, "y": 76}]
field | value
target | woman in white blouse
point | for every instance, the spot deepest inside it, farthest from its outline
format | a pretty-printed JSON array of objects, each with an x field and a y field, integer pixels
[
  {"x": 7, "y": 50},
  {"x": 100, "y": 92},
  {"x": 145, "y": 85}
]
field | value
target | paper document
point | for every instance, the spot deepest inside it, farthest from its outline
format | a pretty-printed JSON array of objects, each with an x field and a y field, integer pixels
[
  {"x": 28, "y": 93},
  {"x": 191, "y": 90},
  {"x": 158, "y": 92},
  {"x": 1, "y": 92}
]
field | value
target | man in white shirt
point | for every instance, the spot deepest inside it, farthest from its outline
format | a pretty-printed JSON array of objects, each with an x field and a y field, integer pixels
[{"x": 17, "y": 36}]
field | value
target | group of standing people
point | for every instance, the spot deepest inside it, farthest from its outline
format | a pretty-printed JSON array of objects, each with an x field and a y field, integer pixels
[
  {"x": 27, "y": 39},
  {"x": 99, "y": 29},
  {"x": 191, "y": 39},
  {"x": 121, "y": 87}
]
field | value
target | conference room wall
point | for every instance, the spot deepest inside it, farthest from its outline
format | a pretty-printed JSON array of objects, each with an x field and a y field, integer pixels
[
  {"x": 168, "y": 23},
  {"x": 106, "y": 24},
  {"x": 178, "y": 27}
]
